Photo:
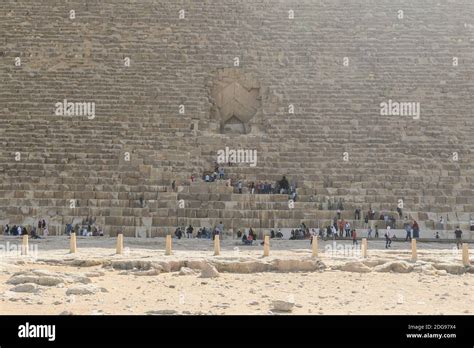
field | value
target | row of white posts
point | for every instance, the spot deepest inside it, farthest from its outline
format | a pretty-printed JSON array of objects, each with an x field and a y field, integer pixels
[{"x": 266, "y": 247}]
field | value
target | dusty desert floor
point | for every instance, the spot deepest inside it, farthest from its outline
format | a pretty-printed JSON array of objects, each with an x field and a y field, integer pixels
[{"x": 142, "y": 280}]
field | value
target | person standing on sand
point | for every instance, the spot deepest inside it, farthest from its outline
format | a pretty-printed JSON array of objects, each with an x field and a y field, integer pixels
[
  {"x": 388, "y": 238},
  {"x": 354, "y": 237},
  {"x": 341, "y": 228},
  {"x": 376, "y": 231},
  {"x": 458, "y": 234},
  {"x": 189, "y": 231}
]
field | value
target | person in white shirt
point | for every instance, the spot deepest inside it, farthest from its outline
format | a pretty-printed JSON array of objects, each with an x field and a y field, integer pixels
[
  {"x": 333, "y": 230},
  {"x": 388, "y": 238}
]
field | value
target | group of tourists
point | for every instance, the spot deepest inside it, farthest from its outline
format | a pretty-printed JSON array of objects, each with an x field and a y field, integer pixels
[
  {"x": 87, "y": 228},
  {"x": 34, "y": 232},
  {"x": 211, "y": 176},
  {"x": 282, "y": 186},
  {"x": 202, "y": 233}
]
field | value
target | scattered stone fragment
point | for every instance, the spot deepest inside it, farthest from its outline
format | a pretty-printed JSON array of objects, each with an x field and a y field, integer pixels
[
  {"x": 282, "y": 306},
  {"x": 162, "y": 312},
  {"x": 209, "y": 271},
  {"x": 85, "y": 290},
  {"x": 26, "y": 287}
]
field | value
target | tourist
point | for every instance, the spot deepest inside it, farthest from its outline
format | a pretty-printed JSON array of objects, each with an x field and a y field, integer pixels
[
  {"x": 320, "y": 232},
  {"x": 437, "y": 235},
  {"x": 366, "y": 221},
  {"x": 252, "y": 187},
  {"x": 215, "y": 233},
  {"x": 293, "y": 196},
  {"x": 249, "y": 240},
  {"x": 376, "y": 231},
  {"x": 34, "y": 235},
  {"x": 329, "y": 232},
  {"x": 400, "y": 213},
  {"x": 85, "y": 232},
  {"x": 252, "y": 233},
  {"x": 347, "y": 227},
  {"x": 372, "y": 214},
  {"x": 338, "y": 214},
  {"x": 441, "y": 222},
  {"x": 458, "y": 235},
  {"x": 357, "y": 214},
  {"x": 40, "y": 225},
  {"x": 279, "y": 234},
  {"x": 408, "y": 231},
  {"x": 284, "y": 185},
  {"x": 220, "y": 227},
  {"x": 333, "y": 230},
  {"x": 221, "y": 173},
  {"x": 239, "y": 234},
  {"x": 178, "y": 233},
  {"x": 369, "y": 233},
  {"x": 388, "y": 238},
  {"x": 272, "y": 234},
  {"x": 6, "y": 230},
  {"x": 45, "y": 232},
  {"x": 416, "y": 230},
  {"x": 239, "y": 186},
  {"x": 21, "y": 231},
  {"x": 354, "y": 237},
  {"x": 342, "y": 223},
  {"x": 189, "y": 231},
  {"x": 68, "y": 229}
]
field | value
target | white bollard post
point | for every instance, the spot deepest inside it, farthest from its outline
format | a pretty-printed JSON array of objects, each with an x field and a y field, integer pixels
[
  {"x": 217, "y": 245},
  {"x": 465, "y": 254},
  {"x": 72, "y": 243},
  {"x": 266, "y": 246},
  {"x": 364, "y": 247},
  {"x": 315, "y": 246},
  {"x": 24, "y": 246},
  {"x": 120, "y": 243},
  {"x": 168, "y": 245},
  {"x": 414, "y": 255}
]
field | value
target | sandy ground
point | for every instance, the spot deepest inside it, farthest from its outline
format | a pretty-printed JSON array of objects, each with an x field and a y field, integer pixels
[{"x": 336, "y": 282}]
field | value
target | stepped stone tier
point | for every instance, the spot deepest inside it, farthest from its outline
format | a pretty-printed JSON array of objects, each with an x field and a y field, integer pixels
[{"x": 172, "y": 83}]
